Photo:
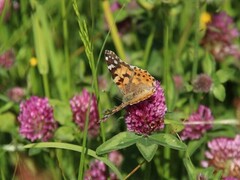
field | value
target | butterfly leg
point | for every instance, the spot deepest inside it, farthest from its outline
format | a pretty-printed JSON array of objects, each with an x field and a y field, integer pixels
[{"x": 110, "y": 112}]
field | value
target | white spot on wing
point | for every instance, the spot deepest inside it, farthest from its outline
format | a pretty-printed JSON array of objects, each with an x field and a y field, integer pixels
[
  {"x": 111, "y": 66},
  {"x": 115, "y": 62}
]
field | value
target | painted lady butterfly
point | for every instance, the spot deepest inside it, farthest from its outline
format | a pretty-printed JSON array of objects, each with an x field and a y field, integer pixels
[{"x": 135, "y": 84}]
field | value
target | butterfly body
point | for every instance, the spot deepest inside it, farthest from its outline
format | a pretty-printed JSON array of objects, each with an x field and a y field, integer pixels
[{"x": 135, "y": 84}]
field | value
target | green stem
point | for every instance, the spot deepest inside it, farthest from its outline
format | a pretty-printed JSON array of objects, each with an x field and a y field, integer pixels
[
  {"x": 182, "y": 42},
  {"x": 166, "y": 77},
  {"x": 113, "y": 28},
  {"x": 66, "y": 52},
  {"x": 46, "y": 85},
  {"x": 166, "y": 61},
  {"x": 196, "y": 40},
  {"x": 84, "y": 144},
  {"x": 148, "y": 47},
  {"x": 166, "y": 166}
]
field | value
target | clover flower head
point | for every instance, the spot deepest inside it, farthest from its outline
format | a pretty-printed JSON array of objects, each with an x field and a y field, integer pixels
[
  {"x": 102, "y": 82},
  {"x": 224, "y": 154},
  {"x": 5, "y": 9},
  {"x": 178, "y": 82},
  {"x": 202, "y": 83},
  {"x": 81, "y": 106},
  {"x": 220, "y": 35},
  {"x": 7, "y": 59},
  {"x": 147, "y": 116},
  {"x": 116, "y": 157},
  {"x": 198, "y": 123},
  {"x": 98, "y": 170},
  {"x": 36, "y": 119},
  {"x": 115, "y": 6},
  {"x": 16, "y": 94}
]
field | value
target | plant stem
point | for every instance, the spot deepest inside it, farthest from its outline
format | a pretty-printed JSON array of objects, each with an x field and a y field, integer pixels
[
  {"x": 114, "y": 31},
  {"x": 196, "y": 40},
  {"x": 134, "y": 170},
  {"x": 84, "y": 144},
  {"x": 46, "y": 85},
  {"x": 66, "y": 52},
  {"x": 148, "y": 47},
  {"x": 166, "y": 78},
  {"x": 165, "y": 58}
]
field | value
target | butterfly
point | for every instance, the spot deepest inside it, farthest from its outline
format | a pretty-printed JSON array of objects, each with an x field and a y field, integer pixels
[{"x": 135, "y": 84}]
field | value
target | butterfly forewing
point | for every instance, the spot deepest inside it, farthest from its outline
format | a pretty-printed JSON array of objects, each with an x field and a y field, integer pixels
[{"x": 121, "y": 72}]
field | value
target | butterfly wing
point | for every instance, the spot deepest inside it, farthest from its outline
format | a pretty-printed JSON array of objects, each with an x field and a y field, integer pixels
[
  {"x": 121, "y": 72},
  {"x": 141, "y": 86},
  {"x": 135, "y": 84}
]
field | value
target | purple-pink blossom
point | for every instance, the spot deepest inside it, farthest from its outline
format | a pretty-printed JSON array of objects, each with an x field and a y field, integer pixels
[
  {"x": 220, "y": 36},
  {"x": 147, "y": 116},
  {"x": 178, "y": 82},
  {"x": 116, "y": 157},
  {"x": 84, "y": 106},
  {"x": 224, "y": 154},
  {"x": 7, "y": 59},
  {"x": 36, "y": 119},
  {"x": 16, "y": 94},
  {"x": 202, "y": 83},
  {"x": 197, "y": 124},
  {"x": 98, "y": 170}
]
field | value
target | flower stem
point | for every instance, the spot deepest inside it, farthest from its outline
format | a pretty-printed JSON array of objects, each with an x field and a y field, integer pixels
[
  {"x": 196, "y": 40},
  {"x": 134, "y": 170},
  {"x": 84, "y": 144},
  {"x": 46, "y": 85},
  {"x": 66, "y": 52},
  {"x": 148, "y": 47},
  {"x": 166, "y": 78},
  {"x": 166, "y": 61},
  {"x": 114, "y": 31}
]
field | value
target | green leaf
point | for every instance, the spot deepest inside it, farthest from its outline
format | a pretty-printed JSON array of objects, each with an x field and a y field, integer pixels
[
  {"x": 77, "y": 148},
  {"x": 175, "y": 125},
  {"x": 148, "y": 5},
  {"x": 170, "y": 93},
  {"x": 120, "y": 15},
  {"x": 190, "y": 168},
  {"x": 188, "y": 87},
  {"x": 62, "y": 112},
  {"x": 7, "y": 121},
  {"x": 219, "y": 92},
  {"x": 64, "y": 133},
  {"x": 168, "y": 140},
  {"x": 225, "y": 74},
  {"x": 147, "y": 148},
  {"x": 120, "y": 141},
  {"x": 39, "y": 44},
  {"x": 208, "y": 64},
  {"x": 207, "y": 172},
  {"x": 218, "y": 175},
  {"x": 33, "y": 152},
  {"x": 194, "y": 145}
]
